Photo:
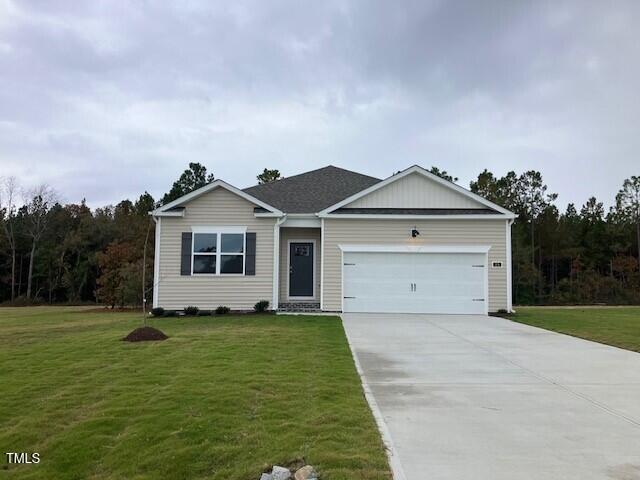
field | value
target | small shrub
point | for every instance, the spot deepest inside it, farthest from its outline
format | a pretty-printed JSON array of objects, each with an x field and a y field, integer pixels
[
  {"x": 204, "y": 313},
  {"x": 170, "y": 313},
  {"x": 157, "y": 312},
  {"x": 191, "y": 310},
  {"x": 222, "y": 310},
  {"x": 261, "y": 306}
]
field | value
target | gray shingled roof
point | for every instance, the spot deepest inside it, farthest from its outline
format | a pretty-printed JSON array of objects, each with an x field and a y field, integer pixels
[{"x": 312, "y": 191}]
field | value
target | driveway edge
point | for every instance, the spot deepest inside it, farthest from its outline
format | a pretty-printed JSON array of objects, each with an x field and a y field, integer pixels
[{"x": 394, "y": 461}]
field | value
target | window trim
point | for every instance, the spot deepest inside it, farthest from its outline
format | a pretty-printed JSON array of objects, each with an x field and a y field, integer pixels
[{"x": 219, "y": 231}]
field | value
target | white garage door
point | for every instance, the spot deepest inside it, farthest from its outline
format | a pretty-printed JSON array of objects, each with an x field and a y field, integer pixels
[{"x": 414, "y": 282}]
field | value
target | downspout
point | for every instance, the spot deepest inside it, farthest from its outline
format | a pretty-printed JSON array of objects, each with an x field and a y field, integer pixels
[{"x": 276, "y": 261}]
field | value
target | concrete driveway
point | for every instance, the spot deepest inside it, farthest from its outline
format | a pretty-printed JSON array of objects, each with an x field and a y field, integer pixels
[{"x": 474, "y": 397}]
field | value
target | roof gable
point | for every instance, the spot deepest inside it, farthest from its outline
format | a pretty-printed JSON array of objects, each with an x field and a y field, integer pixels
[
  {"x": 313, "y": 191},
  {"x": 414, "y": 191},
  {"x": 174, "y": 208},
  {"x": 416, "y": 188}
]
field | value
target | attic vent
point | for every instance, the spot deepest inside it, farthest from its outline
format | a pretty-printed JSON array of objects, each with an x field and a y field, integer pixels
[{"x": 496, "y": 264}]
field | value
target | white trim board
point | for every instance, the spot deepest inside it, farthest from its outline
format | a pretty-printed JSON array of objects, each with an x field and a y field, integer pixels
[
  {"x": 401, "y": 248},
  {"x": 427, "y": 174},
  {"x": 313, "y": 263},
  {"x": 219, "y": 229},
  {"x": 156, "y": 263},
  {"x": 379, "y": 216},
  {"x": 302, "y": 222},
  {"x": 509, "y": 268},
  {"x": 322, "y": 264},
  {"x": 275, "y": 287},
  {"x": 179, "y": 213}
]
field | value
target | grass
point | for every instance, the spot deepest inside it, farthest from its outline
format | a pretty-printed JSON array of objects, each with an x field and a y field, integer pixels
[
  {"x": 222, "y": 398},
  {"x": 617, "y": 326}
]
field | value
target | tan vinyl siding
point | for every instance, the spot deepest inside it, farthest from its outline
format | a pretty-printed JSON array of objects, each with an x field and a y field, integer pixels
[
  {"x": 414, "y": 191},
  {"x": 434, "y": 232},
  {"x": 287, "y": 234},
  {"x": 216, "y": 208}
]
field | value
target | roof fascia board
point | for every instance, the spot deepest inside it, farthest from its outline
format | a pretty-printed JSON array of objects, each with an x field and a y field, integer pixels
[
  {"x": 425, "y": 173},
  {"x": 211, "y": 186},
  {"x": 155, "y": 213},
  {"x": 355, "y": 216}
]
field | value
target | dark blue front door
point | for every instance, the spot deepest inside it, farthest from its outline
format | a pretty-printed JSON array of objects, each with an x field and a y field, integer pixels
[{"x": 301, "y": 269}]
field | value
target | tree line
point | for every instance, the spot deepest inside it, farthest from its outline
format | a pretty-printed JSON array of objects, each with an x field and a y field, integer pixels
[{"x": 52, "y": 252}]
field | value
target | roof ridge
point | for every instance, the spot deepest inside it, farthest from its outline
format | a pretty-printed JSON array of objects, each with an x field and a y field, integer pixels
[{"x": 308, "y": 172}]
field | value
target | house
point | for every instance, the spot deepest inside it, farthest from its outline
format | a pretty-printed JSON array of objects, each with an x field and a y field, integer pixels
[{"x": 337, "y": 241}]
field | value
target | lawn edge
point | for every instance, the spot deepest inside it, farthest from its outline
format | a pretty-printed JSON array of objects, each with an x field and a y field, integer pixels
[
  {"x": 572, "y": 335},
  {"x": 394, "y": 462}
]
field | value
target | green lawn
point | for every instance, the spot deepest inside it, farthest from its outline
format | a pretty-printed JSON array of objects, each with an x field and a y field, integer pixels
[
  {"x": 618, "y": 326},
  {"x": 222, "y": 398}
]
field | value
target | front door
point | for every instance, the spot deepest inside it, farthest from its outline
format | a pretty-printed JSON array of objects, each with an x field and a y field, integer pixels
[{"x": 300, "y": 269}]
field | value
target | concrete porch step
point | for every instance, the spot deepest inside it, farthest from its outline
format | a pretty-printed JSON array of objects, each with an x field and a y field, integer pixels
[{"x": 299, "y": 307}]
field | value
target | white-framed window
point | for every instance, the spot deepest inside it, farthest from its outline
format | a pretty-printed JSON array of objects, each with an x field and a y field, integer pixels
[{"x": 218, "y": 250}]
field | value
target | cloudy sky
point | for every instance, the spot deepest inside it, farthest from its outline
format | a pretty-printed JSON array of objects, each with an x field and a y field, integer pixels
[{"x": 106, "y": 99}]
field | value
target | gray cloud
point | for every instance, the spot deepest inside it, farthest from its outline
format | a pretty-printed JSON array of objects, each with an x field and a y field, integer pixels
[{"x": 107, "y": 99}]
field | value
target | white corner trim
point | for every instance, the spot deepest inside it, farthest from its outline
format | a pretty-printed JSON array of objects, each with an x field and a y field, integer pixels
[
  {"x": 156, "y": 262},
  {"x": 509, "y": 271},
  {"x": 275, "y": 300},
  {"x": 425, "y": 173},
  {"x": 211, "y": 186},
  {"x": 486, "y": 283},
  {"x": 322, "y": 264},
  {"x": 392, "y": 454},
  {"x": 404, "y": 248}
]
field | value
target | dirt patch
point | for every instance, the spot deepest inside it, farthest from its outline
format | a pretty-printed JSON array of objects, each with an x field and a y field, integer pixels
[{"x": 145, "y": 334}]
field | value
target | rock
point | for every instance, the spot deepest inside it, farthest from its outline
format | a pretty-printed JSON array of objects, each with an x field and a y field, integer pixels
[
  {"x": 280, "y": 473},
  {"x": 306, "y": 473},
  {"x": 266, "y": 476}
]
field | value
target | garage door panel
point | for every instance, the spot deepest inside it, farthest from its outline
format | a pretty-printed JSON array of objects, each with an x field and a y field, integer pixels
[{"x": 442, "y": 282}]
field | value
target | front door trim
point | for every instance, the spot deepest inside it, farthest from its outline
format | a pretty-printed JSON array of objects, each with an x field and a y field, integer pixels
[{"x": 313, "y": 267}]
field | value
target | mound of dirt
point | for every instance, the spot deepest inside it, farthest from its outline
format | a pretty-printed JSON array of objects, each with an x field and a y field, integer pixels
[{"x": 145, "y": 334}]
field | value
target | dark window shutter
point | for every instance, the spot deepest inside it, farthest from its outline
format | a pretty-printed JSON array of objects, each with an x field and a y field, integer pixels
[
  {"x": 250, "y": 255},
  {"x": 185, "y": 256}
]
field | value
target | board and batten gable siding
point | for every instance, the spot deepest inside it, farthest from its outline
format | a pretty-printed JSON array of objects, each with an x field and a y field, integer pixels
[
  {"x": 289, "y": 233},
  {"x": 432, "y": 232},
  {"x": 218, "y": 207},
  {"x": 414, "y": 191}
]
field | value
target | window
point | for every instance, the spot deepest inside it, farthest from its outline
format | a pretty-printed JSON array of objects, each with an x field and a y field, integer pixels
[{"x": 218, "y": 253}]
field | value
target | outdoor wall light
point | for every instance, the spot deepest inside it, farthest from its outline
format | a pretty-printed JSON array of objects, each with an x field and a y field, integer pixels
[{"x": 414, "y": 232}]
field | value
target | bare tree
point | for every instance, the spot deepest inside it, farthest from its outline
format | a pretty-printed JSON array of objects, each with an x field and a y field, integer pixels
[
  {"x": 38, "y": 201},
  {"x": 8, "y": 190}
]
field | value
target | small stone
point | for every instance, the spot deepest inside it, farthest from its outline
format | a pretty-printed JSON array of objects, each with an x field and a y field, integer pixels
[
  {"x": 266, "y": 476},
  {"x": 306, "y": 473},
  {"x": 280, "y": 473}
]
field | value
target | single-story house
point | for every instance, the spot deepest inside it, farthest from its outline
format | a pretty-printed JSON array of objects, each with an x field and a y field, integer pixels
[{"x": 337, "y": 241}]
